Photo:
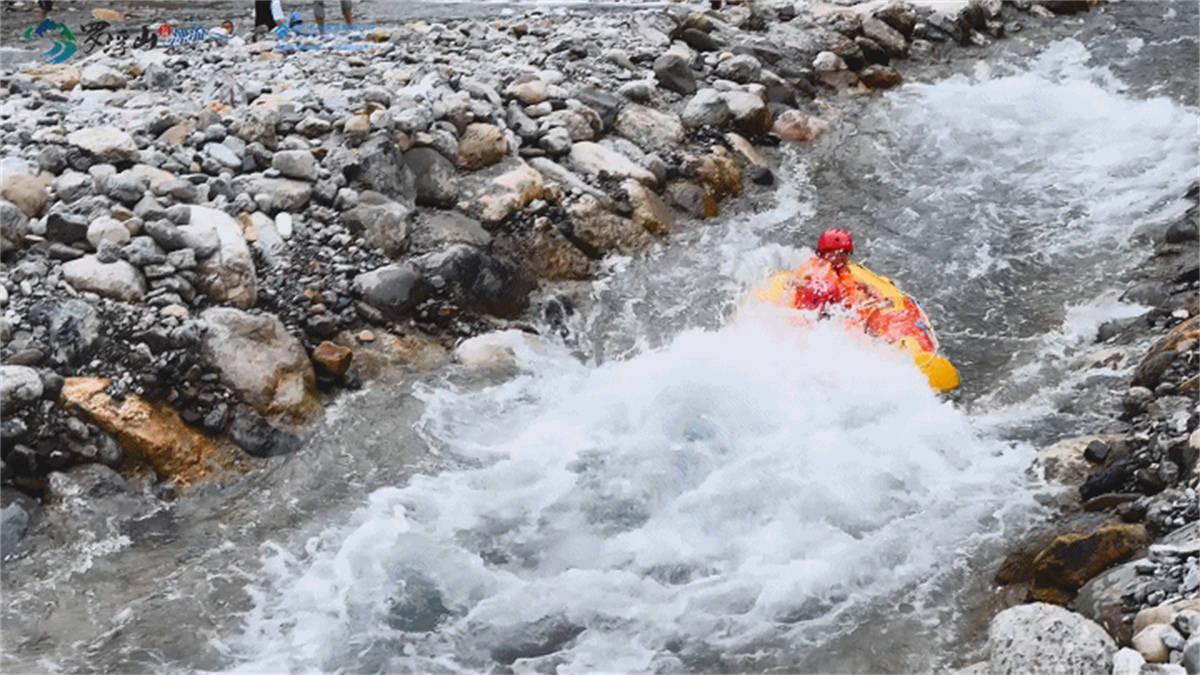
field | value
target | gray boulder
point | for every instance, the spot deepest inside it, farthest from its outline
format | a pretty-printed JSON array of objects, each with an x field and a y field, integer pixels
[
  {"x": 14, "y": 225},
  {"x": 73, "y": 327},
  {"x": 299, "y": 164},
  {"x": 395, "y": 290},
  {"x": 1043, "y": 638},
  {"x": 742, "y": 68},
  {"x": 117, "y": 280},
  {"x": 890, "y": 39},
  {"x": 19, "y": 386},
  {"x": 674, "y": 74},
  {"x": 435, "y": 180},
  {"x": 66, "y": 228},
  {"x": 105, "y": 228},
  {"x": 261, "y": 361},
  {"x": 227, "y": 275},
  {"x": 650, "y": 129},
  {"x": 126, "y": 187},
  {"x": 434, "y": 229},
  {"x": 100, "y": 76},
  {"x": 384, "y": 223},
  {"x": 106, "y": 143},
  {"x": 750, "y": 113},
  {"x": 478, "y": 281},
  {"x": 273, "y": 195},
  {"x": 223, "y": 155},
  {"x": 142, "y": 251},
  {"x": 381, "y": 168},
  {"x": 706, "y": 108}
]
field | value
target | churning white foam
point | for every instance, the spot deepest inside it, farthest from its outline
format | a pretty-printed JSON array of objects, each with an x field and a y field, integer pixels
[
  {"x": 1072, "y": 162},
  {"x": 707, "y": 492}
]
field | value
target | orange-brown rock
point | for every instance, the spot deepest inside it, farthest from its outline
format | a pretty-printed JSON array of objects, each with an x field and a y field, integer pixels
[
  {"x": 545, "y": 252},
  {"x": 1188, "y": 330},
  {"x": 153, "y": 433},
  {"x": 1072, "y": 559},
  {"x": 386, "y": 354},
  {"x": 880, "y": 77},
  {"x": 1190, "y": 386},
  {"x": 720, "y": 174},
  {"x": 648, "y": 210},
  {"x": 795, "y": 126},
  {"x": 61, "y": 74},
  {"x": 333, "y": 358}
]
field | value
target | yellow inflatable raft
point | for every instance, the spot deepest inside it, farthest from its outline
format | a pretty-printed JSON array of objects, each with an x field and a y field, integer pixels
[{"x": 890, "y": 314}]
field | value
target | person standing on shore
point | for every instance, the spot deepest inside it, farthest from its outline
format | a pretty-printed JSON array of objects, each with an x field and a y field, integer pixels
[
  {"x": 319, "y": 13},
  {"x": 269, "y": 14}
]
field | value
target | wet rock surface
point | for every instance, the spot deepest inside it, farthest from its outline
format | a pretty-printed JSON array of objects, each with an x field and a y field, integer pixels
[{"x": 1135, "y": 566}]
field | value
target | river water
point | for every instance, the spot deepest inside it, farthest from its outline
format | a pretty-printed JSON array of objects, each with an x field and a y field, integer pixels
[{"x": 678, "y": 480}]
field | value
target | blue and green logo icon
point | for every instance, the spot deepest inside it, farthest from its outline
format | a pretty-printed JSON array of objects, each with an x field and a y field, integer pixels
[{"x": 64, "y": 43}]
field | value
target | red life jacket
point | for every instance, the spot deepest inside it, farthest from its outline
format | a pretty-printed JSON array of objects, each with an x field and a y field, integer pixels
[{"x": 821, "y": 287}]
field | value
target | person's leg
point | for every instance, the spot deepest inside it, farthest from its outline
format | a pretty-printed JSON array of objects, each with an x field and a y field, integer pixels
[
  {"x": 347, "y": 12},
  {"x": 262, "y": 14},
  {"x": 319, "y": 14}
]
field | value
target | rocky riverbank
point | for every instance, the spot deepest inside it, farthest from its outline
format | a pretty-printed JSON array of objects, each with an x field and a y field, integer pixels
[{"x": 1123, "y": 548}]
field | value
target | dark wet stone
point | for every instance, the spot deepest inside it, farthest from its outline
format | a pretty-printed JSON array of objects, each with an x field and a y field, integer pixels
[
  {"x": 1096, "y": 452},
  {"x": 73, "y": 328},
  {"x": 257, "y": 437},
  {"x": 21, "y": 460},
  {"x": 1151, "y": 293},
  {"x": 382, "y": 169},
  {"x": 66, "y": 228},
  {"x": 674, "y": 74},
  {"x": 761, "y": 175},
  {"x": 1108, "y": 501},
  {"x": 435, "y": 179},
  {"x": 1066, "y": 6},
  {"x": 1151, "y": 370},
  {"x": 478, "y": 281},
  {"x": 216, "y": 419},
  {"x": 1150, "y": 482},
  {"x": 872, "y": 53},
  {"x": 1108, "y": 480},
  {"x": 322, "y": 326},
  {"x": 166, "y": 234},
  {"x": 13, "y": 430},
  {"x": 700, "y": 41},
  {"x": 898, "y": 16},
  {"x": 394, "y": 290},
  {"x": 1182, "y": 232},
  {"x": 544, "y": 636},
  {"x": 605, "y": 103},
  {"x": 418, "y": 606}
]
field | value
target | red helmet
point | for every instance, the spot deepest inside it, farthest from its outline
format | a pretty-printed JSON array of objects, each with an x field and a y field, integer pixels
[{"x": 835, "y": 239}]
